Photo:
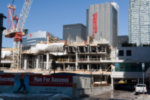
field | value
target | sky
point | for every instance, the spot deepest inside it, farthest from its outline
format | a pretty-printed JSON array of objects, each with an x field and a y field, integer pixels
[{"x": 51, "y": 15}]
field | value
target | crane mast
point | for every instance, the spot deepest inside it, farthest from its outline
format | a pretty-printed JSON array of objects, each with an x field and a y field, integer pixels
[{"x": 14, "y": 30}]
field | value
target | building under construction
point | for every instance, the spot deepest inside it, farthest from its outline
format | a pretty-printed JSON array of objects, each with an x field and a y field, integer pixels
[
  {"x": 98, "y": 59},
  {"x": 90, "y": 62},
  {"x": 76, "y": 58}
]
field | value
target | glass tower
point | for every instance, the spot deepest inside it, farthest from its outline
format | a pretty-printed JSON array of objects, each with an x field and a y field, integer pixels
[{"x": 139, "y": 22}]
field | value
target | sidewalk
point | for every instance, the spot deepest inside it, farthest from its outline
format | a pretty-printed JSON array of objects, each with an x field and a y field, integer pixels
[{"x": 146, "y": 97}]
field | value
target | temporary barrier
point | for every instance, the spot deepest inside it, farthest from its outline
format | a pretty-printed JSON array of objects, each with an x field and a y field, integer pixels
[{"x": 22, "y": 83}]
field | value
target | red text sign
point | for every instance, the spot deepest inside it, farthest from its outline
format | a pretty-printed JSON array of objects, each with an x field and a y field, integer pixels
[
  {"x": 6, "y": 79},
  {"x": 48, "y": 80}
]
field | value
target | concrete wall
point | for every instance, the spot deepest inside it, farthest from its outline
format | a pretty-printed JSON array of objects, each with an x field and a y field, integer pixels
[
  {"x": 91, "y": 91},
  {"x": 82, "y": 81},
  {"x": 84, "y": 86},
  {"x": 138, "y": 54},
  {"x": 126, "y": 75}
]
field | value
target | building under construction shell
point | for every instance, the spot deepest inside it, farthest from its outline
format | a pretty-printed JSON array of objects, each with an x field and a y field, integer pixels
[{"x": 73, "y": 58}]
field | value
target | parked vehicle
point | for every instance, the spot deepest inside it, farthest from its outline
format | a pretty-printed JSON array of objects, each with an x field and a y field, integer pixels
[{"x": 140, "y": 88}]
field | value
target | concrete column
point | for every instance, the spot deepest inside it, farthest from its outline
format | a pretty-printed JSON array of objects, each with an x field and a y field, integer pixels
[
  {"x": 47, "y": 61},
  {"x": 25, "y": 62},
  {"x": 37, "y": 62},
  {"x": 88, "y": 65},
  {"x": 76, "y": 64},
  {"x": 88, "y": 58},
  {"x": 68, "y": 67},
  {"x": 64, "y": 67},
  {"x": 96, "y": 49},
  {"x": 68, "y": 58},
  {"x": 112, "y": 83}
]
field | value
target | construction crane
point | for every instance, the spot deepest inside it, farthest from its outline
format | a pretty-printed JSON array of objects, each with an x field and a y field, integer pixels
[{"x": 15, "y": 29}]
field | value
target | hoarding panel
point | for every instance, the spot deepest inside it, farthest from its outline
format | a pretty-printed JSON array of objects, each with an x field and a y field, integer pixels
[
  {"x": 6, "y": 79},
  {"x": 48, "y": 80}
]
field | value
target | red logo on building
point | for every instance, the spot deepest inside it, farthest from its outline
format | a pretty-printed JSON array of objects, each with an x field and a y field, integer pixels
[
  {"x": 30, "y": 35},
  {"x": 94, "y": 23}
]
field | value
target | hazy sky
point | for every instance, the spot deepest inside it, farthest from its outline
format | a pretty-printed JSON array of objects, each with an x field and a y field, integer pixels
[{"x": 51, "y": 15}]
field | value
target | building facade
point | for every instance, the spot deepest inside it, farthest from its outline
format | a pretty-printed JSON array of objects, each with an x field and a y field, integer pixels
[
  {"x": 33, "y": 38},
  {"x": 74, "y": 33},
  {"x": 139, "y": 22},
  {"x": 102, "y": 23},
  {"x": 122, "y": 40}
]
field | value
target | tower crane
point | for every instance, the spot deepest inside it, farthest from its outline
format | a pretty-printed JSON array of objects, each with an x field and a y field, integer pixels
[{"x": 15, "y": 30}]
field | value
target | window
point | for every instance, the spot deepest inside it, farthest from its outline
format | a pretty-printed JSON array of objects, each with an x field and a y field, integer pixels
[
  {"x": 121, "y": 53},
  {"x": 128, "y": 52},
  {"x": 147, "y": 3}
]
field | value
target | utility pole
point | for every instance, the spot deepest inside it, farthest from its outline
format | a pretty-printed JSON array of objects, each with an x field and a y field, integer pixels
[
  {"x": 143, "y": 68},
  {"x": 1, "y": 31}
]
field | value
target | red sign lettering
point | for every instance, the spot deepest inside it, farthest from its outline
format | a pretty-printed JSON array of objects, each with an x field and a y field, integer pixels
[
  {"x": 6, "y": 79},
  {"x": 48, "y": 80},
  {"x": 94, "y": 23}
]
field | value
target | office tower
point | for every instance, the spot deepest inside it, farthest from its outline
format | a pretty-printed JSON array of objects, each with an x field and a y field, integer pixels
[
  {"x": 102, "y": 23},
  {"x": 74, "y": 33}
]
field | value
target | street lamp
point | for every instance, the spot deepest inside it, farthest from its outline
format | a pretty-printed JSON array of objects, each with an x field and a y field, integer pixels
[{"x": 143, "y": 67}]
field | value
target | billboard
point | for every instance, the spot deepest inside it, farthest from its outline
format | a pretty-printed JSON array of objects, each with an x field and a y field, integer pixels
[{"x": 21, "y": 83}]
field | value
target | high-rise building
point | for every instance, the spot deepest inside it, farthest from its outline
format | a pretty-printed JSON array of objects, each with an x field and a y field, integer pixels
[
  {"x": 139, "y": 22},
  {"x": 102, "y": 22},
  {"x": 74, "y": 33}
]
